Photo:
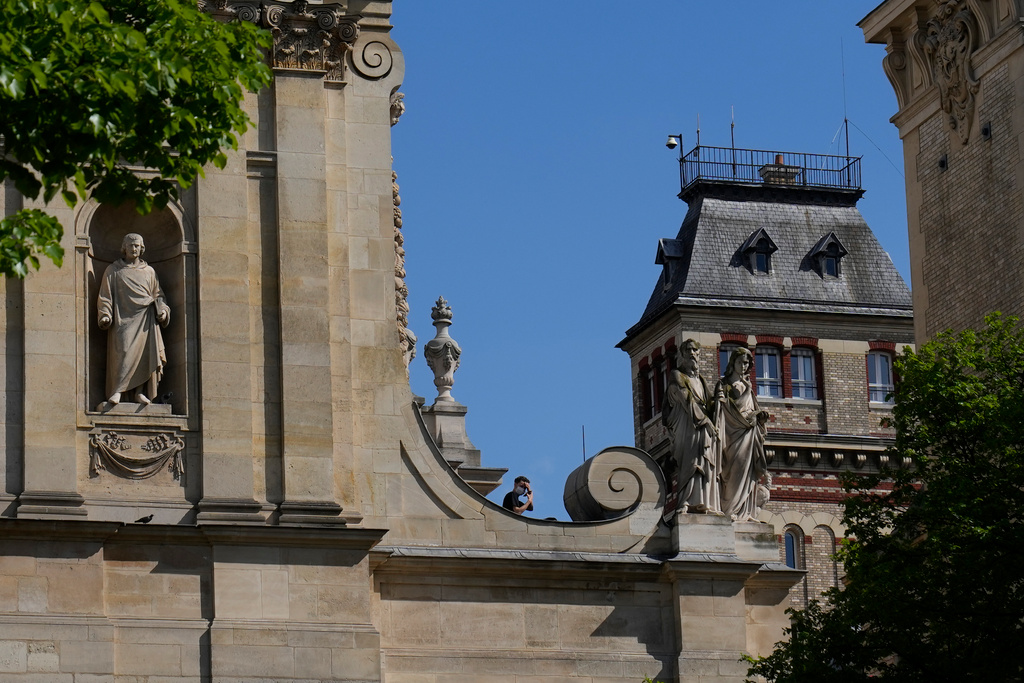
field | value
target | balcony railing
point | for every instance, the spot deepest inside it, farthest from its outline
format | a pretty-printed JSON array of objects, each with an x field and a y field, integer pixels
[{"x": 761, "y": 167}]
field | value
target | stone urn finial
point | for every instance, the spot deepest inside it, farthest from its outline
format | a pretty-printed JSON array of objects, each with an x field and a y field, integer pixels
[{"x": 442, "y": 352}]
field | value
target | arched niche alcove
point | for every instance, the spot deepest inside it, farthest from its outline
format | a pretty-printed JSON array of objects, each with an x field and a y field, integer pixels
[{"x": 169, "y": 250}]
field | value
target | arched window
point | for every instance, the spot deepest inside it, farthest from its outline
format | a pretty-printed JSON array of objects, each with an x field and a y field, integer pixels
[{"x": 792, "y": 539}]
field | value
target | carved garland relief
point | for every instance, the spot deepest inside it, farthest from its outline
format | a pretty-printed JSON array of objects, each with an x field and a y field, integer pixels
[{"x": 110, "y": 451}]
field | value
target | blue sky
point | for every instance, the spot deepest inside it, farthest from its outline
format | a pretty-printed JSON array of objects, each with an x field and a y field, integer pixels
[{"x": 535, "y": 184}]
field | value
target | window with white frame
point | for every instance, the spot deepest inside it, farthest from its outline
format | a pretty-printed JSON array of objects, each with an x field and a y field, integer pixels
[
  {"x": 880, "y": 383},
  {"x": 724, "y": 351},
  {"x": 805, "y": 383},
  {"x": 768, "y": 371}
]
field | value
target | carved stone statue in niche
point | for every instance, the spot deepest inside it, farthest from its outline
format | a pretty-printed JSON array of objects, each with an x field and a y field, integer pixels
[{"x": 131, "y": 306}]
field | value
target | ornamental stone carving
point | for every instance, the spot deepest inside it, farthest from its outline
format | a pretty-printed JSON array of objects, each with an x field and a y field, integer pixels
[
  {"x": 406, "y": 338},
  {"x": 442, "y": 352},
  {"x": 397, "y": 106},
  {"x": 306, "y": 37},
  {"x": 895, "y": 66},
  {"x": 372, "y": 59},
  {"x": 112, "y": 452},
  {"x": 949, "y": 41},
  {"x": 616, "y": 482}
]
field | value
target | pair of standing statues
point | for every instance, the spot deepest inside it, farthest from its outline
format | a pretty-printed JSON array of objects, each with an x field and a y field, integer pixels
[{"x": 717, "y": 438}]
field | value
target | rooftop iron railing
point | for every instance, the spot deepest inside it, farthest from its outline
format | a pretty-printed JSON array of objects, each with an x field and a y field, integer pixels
[{"x": 761, "y": 167}]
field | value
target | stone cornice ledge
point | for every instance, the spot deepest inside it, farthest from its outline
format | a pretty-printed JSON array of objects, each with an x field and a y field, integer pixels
[
  {"x": 208, "y": 534},
  {"x": 482, "y": 563},
  {"x": 291, "y": 536}
]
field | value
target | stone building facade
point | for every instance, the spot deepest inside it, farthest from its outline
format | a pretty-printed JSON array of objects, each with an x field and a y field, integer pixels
[
  {"x": 774, "y": 256},
  {"x": 956, "y": 68},
  {"x": 281, "y": 511}
]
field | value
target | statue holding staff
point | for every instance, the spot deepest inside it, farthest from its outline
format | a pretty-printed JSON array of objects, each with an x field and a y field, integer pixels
[{"x": 688, "y": 414}]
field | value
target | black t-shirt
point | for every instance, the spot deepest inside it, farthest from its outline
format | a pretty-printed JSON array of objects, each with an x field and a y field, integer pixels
[{"x": 512, "y": 501}]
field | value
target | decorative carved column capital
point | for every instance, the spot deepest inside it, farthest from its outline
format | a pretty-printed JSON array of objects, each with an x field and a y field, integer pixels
[
  {"x": 306, "y": 37},
  {"x": 442, "y": 352}
]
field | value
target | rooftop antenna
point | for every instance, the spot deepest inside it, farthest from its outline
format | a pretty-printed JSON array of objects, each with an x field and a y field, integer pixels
[
  {"x": 732, "y": 127},
  {"x": 732, "y": 138},
  {"x": 846, "y": 120},
  {"x": 698, "y": 130},
  {"x": 584, "y": 429}
]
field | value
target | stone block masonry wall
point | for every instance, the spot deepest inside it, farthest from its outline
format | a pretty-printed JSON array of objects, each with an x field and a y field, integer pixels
[{"x": 970, "y": 212}]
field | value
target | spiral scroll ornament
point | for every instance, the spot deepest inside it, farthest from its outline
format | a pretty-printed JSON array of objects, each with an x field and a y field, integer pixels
[
  {"x": 274, "y": 15},
  {"x": 617, "y": 482},
  {"x": 326, "y": 19},
  {"x": 373, "y": 60},
  {"x": 250, "y": 13}
]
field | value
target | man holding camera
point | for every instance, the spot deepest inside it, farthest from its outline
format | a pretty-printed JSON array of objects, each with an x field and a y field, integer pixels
[{"x": 512, "y": 498}]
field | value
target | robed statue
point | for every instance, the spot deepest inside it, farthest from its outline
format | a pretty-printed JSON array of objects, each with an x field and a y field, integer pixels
[
  {"x": 132, "y": 307},
  {"x": 689, "y": 415},
  {"x": 742, "y": 425}
]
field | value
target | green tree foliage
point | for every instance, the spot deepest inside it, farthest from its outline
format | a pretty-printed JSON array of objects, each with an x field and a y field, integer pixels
[
  {"x": 88, "y": 87},
  {"x": 935, "y": 575}
]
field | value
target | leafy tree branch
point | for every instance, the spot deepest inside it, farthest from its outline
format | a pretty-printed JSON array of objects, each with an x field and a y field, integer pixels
[{"x": 90, "y": 89}]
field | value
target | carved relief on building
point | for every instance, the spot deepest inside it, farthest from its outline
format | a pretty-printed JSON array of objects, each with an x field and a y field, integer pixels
[
  {"x": 136, "y": 456},
  {"x": 306, "y": 37},
  {"x": 397, "y": 106},
  {"x": 949, "y": 40},
  {"x": 406, "y": 338},
  {"x": 895, "y": 66}
]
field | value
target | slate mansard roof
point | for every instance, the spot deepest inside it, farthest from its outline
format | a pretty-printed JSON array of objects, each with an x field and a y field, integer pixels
[{"x": 707, "y": 266}]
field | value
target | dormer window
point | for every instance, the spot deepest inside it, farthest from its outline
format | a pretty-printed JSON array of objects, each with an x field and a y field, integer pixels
[
  {"x": 669, "y": 252},
  {"x": 757, "y": 251},
  {"x": 827, "y": 254}
]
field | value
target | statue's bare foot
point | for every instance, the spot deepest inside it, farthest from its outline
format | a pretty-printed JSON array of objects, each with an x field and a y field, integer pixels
[
  {"x": 142, "y": 398},
  {"x": 115, "y": 399}
]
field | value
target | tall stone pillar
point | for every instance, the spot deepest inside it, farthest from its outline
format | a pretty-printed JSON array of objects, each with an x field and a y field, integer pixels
[
  {"x": 227, "y": 384},
  {"x": 304, "y": 262},
  {"x": 50, "y": 381}
]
